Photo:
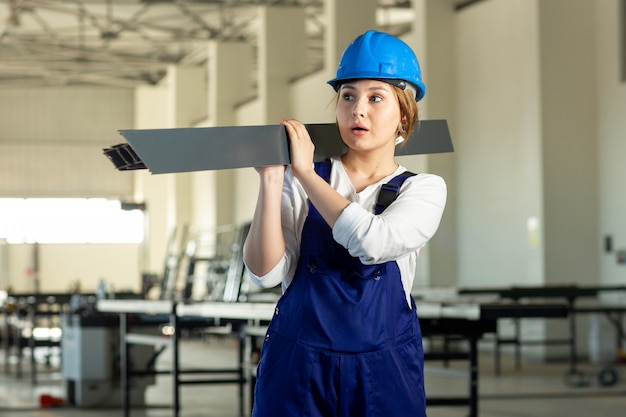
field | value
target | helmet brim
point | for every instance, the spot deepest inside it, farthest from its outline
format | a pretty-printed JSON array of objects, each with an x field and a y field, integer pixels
[{"x": 419, "y": 91}]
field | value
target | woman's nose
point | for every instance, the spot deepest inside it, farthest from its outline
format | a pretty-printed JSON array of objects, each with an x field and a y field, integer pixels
[{"x": 358, "y": 110}]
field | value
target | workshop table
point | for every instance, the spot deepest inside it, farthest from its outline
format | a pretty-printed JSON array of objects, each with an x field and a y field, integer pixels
[{"x": 469, "y": 321}]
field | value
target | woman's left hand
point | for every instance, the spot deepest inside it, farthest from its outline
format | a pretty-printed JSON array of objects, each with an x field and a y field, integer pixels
[{"x": 301, "y": 147}]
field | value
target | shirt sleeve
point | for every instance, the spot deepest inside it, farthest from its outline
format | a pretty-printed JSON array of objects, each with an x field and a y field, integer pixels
[{"x": 405, "y": 226}]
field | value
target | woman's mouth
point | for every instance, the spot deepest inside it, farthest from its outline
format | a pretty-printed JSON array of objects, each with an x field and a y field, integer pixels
[{"x": 358, "y": 130}]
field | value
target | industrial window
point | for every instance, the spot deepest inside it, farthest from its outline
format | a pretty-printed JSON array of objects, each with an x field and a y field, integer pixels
[{"x": 69, "y": 220}]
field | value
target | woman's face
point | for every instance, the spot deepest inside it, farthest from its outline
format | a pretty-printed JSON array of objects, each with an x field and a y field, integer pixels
[{"x": 368, "y": 114}]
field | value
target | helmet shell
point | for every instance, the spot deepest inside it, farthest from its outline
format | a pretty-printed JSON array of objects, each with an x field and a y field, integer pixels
[{"x": 380, "y": 56}]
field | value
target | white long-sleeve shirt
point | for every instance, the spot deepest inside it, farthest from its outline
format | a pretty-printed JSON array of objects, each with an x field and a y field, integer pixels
[{"x": 397, "y": 234}]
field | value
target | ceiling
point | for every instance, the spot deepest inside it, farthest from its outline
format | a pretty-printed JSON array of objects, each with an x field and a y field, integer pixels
[{"x": 131, "y": 42}]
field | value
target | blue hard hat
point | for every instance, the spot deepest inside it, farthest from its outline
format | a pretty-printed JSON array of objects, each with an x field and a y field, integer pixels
[{"x": 380, "y": 56}]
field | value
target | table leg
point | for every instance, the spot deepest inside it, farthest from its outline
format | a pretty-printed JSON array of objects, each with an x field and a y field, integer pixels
[
  {"x": 124, "y": 364},
  {"x": 473, "y": 371}
]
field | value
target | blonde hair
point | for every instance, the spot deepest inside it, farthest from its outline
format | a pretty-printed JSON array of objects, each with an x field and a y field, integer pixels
[{"x": 409, "y": 114}]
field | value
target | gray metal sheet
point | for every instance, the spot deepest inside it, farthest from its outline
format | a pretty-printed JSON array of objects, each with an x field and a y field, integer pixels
[{"x": 212, "y": 148}]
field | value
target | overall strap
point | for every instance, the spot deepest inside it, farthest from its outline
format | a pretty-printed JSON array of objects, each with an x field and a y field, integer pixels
[
  {"x": 389, "y": 191},
  {"x": 323, "y": 169}
]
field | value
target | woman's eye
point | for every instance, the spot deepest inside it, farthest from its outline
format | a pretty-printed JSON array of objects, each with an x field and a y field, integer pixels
[
  {"x": 348, "y": 97},
  {"x": 376, "y": 98}
]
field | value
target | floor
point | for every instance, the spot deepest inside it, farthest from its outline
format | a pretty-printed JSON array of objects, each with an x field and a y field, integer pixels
[{"x": 537, "y": 389}]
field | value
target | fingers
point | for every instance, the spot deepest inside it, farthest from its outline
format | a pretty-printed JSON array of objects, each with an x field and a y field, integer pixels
[
  {"x": 301, "y": 146},
  {"x": 295, "y": 128}
]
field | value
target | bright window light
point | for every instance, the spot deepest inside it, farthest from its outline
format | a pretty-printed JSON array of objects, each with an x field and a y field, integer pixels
[{"x": 68, "y": 220}]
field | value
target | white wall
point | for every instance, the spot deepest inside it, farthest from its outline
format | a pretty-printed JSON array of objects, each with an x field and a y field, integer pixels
[
  {"x": 527, "y": 145},
  {"x": 569, "y": 141},
  {"x": 498, "y": 143},
  {"x": 51, "y": 142},
  {"x": 610, "y": 110},
  {"x": 64, "y": 268}
]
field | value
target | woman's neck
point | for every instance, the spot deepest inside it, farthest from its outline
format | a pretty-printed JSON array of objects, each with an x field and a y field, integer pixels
[{"x": 366, "y": 171}]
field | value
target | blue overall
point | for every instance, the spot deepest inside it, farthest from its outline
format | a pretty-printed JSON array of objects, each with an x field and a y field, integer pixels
[{"x": 343, "y": 342}]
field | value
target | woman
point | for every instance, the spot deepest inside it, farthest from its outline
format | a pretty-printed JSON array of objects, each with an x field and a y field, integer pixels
[{"x": 345, "y": 340}]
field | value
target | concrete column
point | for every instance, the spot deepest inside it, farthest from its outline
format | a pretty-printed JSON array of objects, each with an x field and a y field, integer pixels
[
  {"x": 230, "y": 75},
  {"x": 187, "y": 105},
  {"x": 186, "y": 102},
  {"x": 434, "y": 25},
  {"x": 569, "y": 152},
  {"x": 569, "y": 148},
  {"x": 230, "y": 70},
  {"x": 150, "y": 113},
  {"x": 346, "y": 19},
  {"x": 281, "y": 58},
  {"x": 179, "y": 101}
]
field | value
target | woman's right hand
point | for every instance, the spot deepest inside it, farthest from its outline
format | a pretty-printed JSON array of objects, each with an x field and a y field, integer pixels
[{"x": 301, "y": 147}]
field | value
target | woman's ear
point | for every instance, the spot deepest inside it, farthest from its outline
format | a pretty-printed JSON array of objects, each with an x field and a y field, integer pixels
[{"x": 402, "y": 125}]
